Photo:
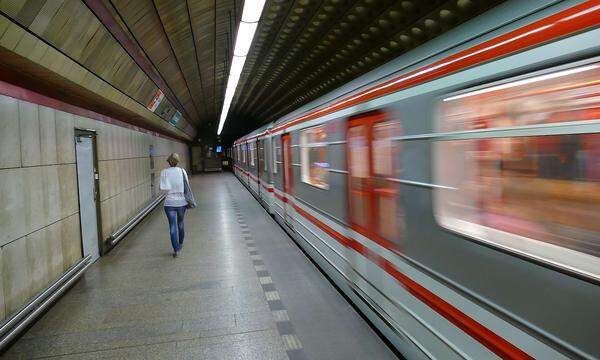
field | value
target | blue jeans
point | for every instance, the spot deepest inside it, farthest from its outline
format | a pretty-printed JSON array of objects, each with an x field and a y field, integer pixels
[{"x": 175, "y": 215}]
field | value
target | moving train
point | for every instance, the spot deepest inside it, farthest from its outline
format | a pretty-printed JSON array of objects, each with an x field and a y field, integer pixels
[{"x": 453, "y": 194}]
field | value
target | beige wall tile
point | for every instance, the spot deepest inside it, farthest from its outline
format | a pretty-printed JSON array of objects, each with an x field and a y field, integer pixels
[
  {"x": 104, "y": 179},
  {"x": 54, "y": 245},
  {"x": 67, "y": 184},
  {"x": 51, "y": 189},
  {"x": 10, "y": 139},
  {"x": 47, "y": 135},
  {"x": 85, "y": 123},
  {"x": 2, "y": 302},
  {"x": 65, "y": 137},
  {"x": 12, "y": 205},
  {"x": 101, "y": 140},
  {"x": 129, "y": 174},
  {"x": 30, "y": 134},
  {"x": 33, "y": 210},
  {"x": 71, "y": 240},
  {"x": 112, "y": 178},
  {"x": 15, "y": 274},
  {"x": 119, "y": 176},
  {"x": 106, "y": 218},
  {"x": 37, "y": 260},
  {"x": 110, "y": 141}
]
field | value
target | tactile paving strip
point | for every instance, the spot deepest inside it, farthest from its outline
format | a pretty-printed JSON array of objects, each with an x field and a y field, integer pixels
[{"x": 285, "y": 328}]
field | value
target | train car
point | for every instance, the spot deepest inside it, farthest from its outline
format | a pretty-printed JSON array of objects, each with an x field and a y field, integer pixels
[{"x": 454, "y": 194}]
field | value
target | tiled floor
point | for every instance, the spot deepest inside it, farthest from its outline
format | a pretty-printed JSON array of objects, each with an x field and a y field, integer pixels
[{"x": 240, "y": 290}]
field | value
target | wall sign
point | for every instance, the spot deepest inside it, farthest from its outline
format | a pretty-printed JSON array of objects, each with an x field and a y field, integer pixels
[
  {"x": 156, "y": 100},
  {"x": 175, "y": 118}
]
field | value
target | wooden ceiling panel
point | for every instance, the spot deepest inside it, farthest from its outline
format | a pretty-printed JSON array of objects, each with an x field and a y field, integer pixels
[
  {"x": 144, "y": 24},
  {"x": 175, "y": 20}
]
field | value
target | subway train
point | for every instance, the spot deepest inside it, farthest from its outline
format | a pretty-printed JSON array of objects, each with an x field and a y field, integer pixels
[{"x": 453, "y": 194}]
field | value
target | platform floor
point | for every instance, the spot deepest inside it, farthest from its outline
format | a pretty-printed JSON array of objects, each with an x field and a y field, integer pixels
[{"x": 241, "y": 289}]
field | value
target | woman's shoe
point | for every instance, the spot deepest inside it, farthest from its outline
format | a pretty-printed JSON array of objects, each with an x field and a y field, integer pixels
[{"x": 176, "y": 254}]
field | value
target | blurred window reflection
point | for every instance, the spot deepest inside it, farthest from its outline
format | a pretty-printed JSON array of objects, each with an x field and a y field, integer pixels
[
  {"x": 313, "y": 156},
  {"x": 252, "y": 153},
  {"x": 564, "y": 96},
  {"x": 538, "y": 187},
  {"x": 264, "y": 155},
  {"x": 276, "y": 148}
]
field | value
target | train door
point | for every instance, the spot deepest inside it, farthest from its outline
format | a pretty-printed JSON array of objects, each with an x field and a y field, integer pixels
[
  {"x": 246, "y": 163},
  {"x": 259, "y": 164},
  {"x": 287, "y": 177},
  {"x": 373, "y": 158}
]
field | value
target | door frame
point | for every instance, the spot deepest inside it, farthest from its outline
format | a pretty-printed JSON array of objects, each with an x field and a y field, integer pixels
[
  {"x": 288, "y": 176},
  {"x": 102, "y": 249}
]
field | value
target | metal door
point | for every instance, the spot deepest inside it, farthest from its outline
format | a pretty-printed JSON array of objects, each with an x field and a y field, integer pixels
[
  {"x": 287, "y": 177},
  {"x": 88, "y": 194}
]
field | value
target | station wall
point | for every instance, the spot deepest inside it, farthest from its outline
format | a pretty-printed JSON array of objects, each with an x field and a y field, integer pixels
[{"x": 39, "y": 210}]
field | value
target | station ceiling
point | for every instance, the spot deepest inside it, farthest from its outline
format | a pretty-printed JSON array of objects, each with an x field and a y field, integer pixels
[{"x": 302, "y": 50}]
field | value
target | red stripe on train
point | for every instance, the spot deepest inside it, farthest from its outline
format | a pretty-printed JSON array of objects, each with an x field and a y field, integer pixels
[
  {"x": 483, "y": 335},
  {"x": 480, "y": 333}
]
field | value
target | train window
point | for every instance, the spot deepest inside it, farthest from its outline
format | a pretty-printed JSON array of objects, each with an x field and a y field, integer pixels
[
  {"x": 313, "y": 156},
  {"x": 244, "y": 150},
  {"x": 264, "y": 148},
  {"x": 252, "y": 153},
  {"x": 563, "y": 96},
  {"x": 275, "y": 154},
  {"x": 534, "y": 190},
  {"x": 386, "y": 150}
]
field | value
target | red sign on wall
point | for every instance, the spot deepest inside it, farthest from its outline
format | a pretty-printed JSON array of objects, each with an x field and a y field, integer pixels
[{"x": 156, "y": 100}]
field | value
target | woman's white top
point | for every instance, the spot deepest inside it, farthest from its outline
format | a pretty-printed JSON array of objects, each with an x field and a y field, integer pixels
[{"x": 171, "y": 179}]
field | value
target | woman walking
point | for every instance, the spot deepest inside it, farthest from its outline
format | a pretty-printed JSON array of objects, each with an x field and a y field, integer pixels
[{"x": 179, "y": 197}]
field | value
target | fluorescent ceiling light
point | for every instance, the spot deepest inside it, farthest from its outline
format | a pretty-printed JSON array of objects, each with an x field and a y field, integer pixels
[
  {"x": 250, "y": 16},
  {"x": 244, "y": 37},
  {"x": 237, "y": 65},
  {"x": 252, "y": 10}
]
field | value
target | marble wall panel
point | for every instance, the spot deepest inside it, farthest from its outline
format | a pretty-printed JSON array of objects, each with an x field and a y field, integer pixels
[
  {"x": 54, "y": 245},
  {"x": 37, "y": 253},
  {"x": 10, "y": 138},
  {"x": 51, "y": 194},
  {"x": 67, "y": 184},
  {"x": 12, "y": 204},
  {"x": 29, "y": 124},
  {"x": 47, "y": 118},
  {"x": 2, "y": 301},
  {"x": 15, "y": 275},
  {"x": 33, "y": 199},
  {"x": 65, "y": 137},
  {"x": 71, "y": 241}
]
